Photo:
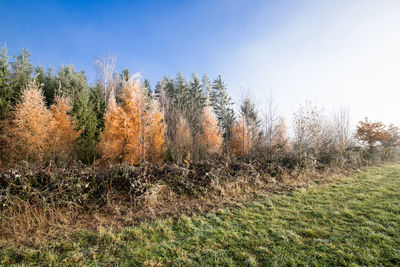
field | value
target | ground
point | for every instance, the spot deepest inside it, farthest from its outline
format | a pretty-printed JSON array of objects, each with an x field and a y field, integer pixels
[{"x": 353, "y": 220}]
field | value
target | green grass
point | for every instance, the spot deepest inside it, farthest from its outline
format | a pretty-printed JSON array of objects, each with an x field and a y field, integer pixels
[{"x": 352, "y": 221}]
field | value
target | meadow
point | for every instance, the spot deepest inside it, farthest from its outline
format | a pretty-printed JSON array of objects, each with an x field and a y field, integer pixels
[{"x": 351, "y": 220}]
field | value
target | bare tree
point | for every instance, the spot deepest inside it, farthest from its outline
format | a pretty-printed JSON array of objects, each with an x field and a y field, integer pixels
[
  {"x": 105, "y": 72},
  {"x": 271, "y": 119},
  {"x": 341, "y": 121},
  {"x": 308, "y": 128}
]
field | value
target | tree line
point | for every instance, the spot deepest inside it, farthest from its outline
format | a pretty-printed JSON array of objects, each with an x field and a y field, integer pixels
[{"x": 57, "y": 117}]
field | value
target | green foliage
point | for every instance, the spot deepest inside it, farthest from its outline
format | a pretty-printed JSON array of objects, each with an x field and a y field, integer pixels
[
  {"x": 6, "y": 94},
  {"x": 222, "y": 104},
  {"x": 252, "y": 122},
  {"x": 21, "y": 73},
  {"x": 147, "y": 86},
  {"x": 194, "y": 108},
  {"x": 96, "y": 97},
  {"x": 74, "y": 84},
  {"x": 125, "y": 75},
  {"x": 50, "y": 84},
  {"x": 206, "y": 88}
]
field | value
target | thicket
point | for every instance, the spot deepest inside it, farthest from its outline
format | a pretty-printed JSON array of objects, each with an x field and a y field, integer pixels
[
  {"x": 58, "y": 118},
  {"x": 67, "y": 144}
]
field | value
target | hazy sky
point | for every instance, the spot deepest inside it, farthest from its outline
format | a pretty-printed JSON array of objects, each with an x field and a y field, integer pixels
[{"x": 335, "y": 53}]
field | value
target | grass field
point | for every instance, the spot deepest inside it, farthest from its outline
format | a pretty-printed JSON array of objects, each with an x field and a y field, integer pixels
[{"x": 354, "y": 220}]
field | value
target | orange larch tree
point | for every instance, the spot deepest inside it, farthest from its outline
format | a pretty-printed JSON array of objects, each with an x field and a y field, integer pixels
[
  {"x": 29, "y": 132},
  {"x": 64, "y": 134},
  {"x": 155, "y": 132},
  {"x": 112, "y": 139},
  {"x": 211, "y": 137},
  {"x": 240, "y": 139},
  {"x": 183, "y": 138},
  {"x": 134, "y": 131},
  {"x": 133, "y": 121}
]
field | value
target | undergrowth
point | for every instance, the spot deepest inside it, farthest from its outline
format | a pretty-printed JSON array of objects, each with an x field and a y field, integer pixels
[{"x": 354, "y": 220}]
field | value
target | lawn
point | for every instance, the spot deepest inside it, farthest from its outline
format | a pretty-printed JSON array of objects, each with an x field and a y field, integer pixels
[{"x": 354, "y": 220}]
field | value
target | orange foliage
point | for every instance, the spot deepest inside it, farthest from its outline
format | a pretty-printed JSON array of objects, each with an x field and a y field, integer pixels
[
  {"x": 64, "y": 133},
  {"x": 134, "y": 131},
  {"x": 211, "y": 138},
  {"x": 183, "y": 138},
  {"x": 133, "y": 125},
  {"x": 155, "y": 132},
  {"x": 29, "y": 133},
  {"x": 240, "y": 143},
  {"x": 112, "y": 139},
  {"x": 371, "y": 132}
]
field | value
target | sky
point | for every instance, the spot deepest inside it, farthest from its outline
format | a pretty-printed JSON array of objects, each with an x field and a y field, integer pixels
[{"x": 334, "y": 53}]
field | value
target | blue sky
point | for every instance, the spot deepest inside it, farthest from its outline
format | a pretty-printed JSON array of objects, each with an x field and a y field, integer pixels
[
  {"x": 156, "y": 38},
  {"x": 335, "y": 53}
]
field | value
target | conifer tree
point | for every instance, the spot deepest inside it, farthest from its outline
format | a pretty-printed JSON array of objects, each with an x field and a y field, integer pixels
[
  {"x": 147, "y": 87},
  {"x": 211, "y": 137},
  {"x": 112, "y": 139},
  {"x": 74, "y": 85},
  {"x": 96, "y": 98},
  {"x": 133, "y": 124},
  {"x": 6, "y": 94},
  {"x": 206, "y": 86},
  {"x": 21, "y": 73},
  {"x": 251, "y": 123},
  {"x": 222, "y": 104},
  {"x": 183, "y": 140},
  {"x": 240, "y": 143},
  {"x": 64, "y": 134},
  {"x": 134, "y": 131},
  {"x": 30, "y": 130},
  {"x": 193, "y": 111},
  {"x": 155, "y": 132},
  {"x": 49, "y": 83}
]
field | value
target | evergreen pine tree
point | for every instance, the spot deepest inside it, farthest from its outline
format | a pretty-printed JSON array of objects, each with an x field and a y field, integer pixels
[
  {"x": 206, "y": 86},
  {"x": 251, "y": 124},
  {"x": 5, "y": 89},
  {"x": 193, "y": 110},
  {"x": 96, "y": 97},
  {"x": 147, "y": 87},
  {"x": 222, "y": 104},
  {"x": 74, "y": 85},
  {"x": 21, "y": 73}
]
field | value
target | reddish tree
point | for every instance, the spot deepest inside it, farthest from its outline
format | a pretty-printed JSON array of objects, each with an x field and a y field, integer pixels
[
  {"x": 393, "y": 137},
  {"x": 370, "y": 133}
]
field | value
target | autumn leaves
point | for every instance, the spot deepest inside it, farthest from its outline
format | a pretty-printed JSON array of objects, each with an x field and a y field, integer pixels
[
  {"x": 37, "y": 134},
  {"x": 134, "y": 129}
]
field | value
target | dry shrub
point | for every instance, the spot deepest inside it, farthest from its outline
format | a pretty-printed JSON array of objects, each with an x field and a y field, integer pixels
[{"x": 44, "y": 203}]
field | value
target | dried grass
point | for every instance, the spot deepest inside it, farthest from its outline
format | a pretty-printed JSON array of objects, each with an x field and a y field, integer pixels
[{"x": 32, "y": 224}]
